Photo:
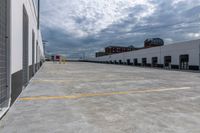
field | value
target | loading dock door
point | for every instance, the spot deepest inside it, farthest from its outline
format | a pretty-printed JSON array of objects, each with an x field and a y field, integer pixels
[
  {"x": 25, "y": 47},
  {"x": 144, "y": 61},
  {"x": 128, "y": 62},
  {"x": 167, "y": 61},
  {"x": 135, "y": 62},
  {"x": 154, "y": 61},
  {"x": 184, "y": 61},
  {"x": 4, "y": 92}
]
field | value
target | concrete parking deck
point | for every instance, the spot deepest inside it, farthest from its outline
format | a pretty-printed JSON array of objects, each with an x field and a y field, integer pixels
[{"x": 100, "y": 98}]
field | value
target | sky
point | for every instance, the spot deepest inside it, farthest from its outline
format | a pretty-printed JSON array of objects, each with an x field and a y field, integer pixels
[{"x": 79, "y": 28}]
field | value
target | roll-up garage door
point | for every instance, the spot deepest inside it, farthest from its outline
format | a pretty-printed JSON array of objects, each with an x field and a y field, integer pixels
[
  {"x": 25, "y": 47},
  {"x": 4, "y": 96}
]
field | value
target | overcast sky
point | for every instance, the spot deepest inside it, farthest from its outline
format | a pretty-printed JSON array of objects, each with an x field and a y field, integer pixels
[{"x": 78, "y": 27}]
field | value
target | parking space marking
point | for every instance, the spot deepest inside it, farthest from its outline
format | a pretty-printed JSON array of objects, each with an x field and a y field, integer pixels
[{"x": 85, "y": 95}]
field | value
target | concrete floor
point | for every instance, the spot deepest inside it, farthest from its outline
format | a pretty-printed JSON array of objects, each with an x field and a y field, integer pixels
[{"x": 101, "y": 98}]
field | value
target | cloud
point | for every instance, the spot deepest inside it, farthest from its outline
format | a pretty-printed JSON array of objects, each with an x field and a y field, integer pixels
[{"x": 85, "y": 26}]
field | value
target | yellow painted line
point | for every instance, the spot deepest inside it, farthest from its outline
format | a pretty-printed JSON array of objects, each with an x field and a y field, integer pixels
[
  {"x": 85, "y": 95},
  {"x": 51, "y": 81}
]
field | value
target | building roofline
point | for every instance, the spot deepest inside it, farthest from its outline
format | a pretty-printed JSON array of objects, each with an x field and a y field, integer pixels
[{"x": 119, "y": 47}]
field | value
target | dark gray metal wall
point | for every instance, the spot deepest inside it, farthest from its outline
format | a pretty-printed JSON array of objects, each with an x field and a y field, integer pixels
[
  {"x": 4, "y": 96},
  {"x": 25, "y": 47},
  {"x": 33, "y": 52},
  {"x": 37, "y": 56}
]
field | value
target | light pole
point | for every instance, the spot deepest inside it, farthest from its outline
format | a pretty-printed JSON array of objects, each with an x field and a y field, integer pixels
[{"x": 44, "y": 46}]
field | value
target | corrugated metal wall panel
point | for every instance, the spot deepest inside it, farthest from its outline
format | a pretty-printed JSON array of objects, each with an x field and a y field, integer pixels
[{"x": 3, "y": 55}]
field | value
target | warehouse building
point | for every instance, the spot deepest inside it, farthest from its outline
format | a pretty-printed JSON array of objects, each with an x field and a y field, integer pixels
[
  {"x": 99, "y": 54},
  {"x": 115, "y": 49},
  {"x": 118, "y": 49},
  {"x": 153, "y": 42},
  {"x": 182, "y": 55},
  {"x": 148, "y": 43},
  {"x": 21, "y": 48}
]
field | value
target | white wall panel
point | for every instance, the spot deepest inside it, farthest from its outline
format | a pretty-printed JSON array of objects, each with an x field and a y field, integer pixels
[
  {"x": 192, "y": 48},
  {"x": 16, "y": 33}
]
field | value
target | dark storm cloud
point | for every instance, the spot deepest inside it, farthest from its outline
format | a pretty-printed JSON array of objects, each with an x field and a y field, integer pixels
[{"x": 91, "y": 26}]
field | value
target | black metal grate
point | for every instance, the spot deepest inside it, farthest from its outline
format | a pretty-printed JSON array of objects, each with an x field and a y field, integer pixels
[{"x": 3, "y": 55}]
